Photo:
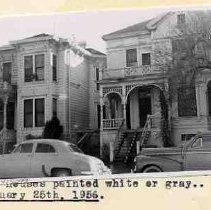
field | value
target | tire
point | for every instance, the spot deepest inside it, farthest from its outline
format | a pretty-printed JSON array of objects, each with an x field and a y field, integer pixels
[
  {"x": 151, "y": 169},
  {"x": 61, "y": 173}
]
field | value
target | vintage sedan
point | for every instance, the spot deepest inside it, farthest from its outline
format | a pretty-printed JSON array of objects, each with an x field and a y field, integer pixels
[
  {"x": 49, "y": 157},
  {"x": 193, "y": 155}
]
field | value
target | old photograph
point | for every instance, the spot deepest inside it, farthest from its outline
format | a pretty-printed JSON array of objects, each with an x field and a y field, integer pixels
[{"x": 102, "y": 93}]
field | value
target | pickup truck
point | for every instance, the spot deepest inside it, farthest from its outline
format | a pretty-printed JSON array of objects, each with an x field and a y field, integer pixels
[{"x": 193, "y": 155}]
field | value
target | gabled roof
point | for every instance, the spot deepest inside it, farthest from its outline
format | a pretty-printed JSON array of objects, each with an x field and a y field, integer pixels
[{"x": 139, "y": 28}]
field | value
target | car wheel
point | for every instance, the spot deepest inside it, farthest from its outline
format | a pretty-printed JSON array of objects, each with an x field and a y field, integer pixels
[
  {"x": 151, "y": 169},
  {"x": 61, "y": 173}
]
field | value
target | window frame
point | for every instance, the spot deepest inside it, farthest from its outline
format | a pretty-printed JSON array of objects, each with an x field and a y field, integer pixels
[
  {"x": 33, "y": 76},
  {"x": 97, "y": 77},
  {"x": 143, "y": 62},
  {"x": 54, "y": 67},
  {"x": 10, "y": 73},
  {"x": 134, "y": 63},
  {"x": 45, "y": 143},
  {"x": 33, "y": 112},
  {"x": 54, "y": 113},
  {"x": 180, "y": 100}
]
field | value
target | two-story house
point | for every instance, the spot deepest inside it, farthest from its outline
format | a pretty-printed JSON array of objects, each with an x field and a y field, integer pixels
[
  {"x": 138, "y": 103},
  {"x": 43, "y": 76}
]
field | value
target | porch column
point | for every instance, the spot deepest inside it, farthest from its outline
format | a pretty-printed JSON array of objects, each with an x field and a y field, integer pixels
[
  {"x": 5, "y": 112},
  {"x": 124, "y": 104},
  {"x": 101, "y": 123}
]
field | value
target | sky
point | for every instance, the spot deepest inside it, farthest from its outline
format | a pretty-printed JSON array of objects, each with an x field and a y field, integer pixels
[{"x": 86, "y": 26}]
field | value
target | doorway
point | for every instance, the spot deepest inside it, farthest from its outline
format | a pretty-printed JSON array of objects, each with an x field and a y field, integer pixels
[{"x": 144, "y": 109}]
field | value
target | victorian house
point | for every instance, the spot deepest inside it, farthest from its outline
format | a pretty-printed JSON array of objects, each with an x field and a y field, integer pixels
[
  {"x": 43, "y": 76},
  {"x": 143, "y": 101}
]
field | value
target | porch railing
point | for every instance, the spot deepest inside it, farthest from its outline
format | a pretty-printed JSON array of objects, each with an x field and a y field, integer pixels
[
  {"x": 112, "y": 123},
  {"x": 129, "y": 71}
]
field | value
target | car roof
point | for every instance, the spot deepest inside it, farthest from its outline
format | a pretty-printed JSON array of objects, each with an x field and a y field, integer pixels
[{"x": 54, "y": 141}]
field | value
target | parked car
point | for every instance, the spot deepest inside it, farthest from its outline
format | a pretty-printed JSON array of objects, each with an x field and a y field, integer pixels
[
  {"x": 49, "y": 157},
  {"x": 194, "y": 154}
]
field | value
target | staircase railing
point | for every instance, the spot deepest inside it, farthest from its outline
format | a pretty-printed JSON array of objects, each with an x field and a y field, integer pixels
[
  {"x": 118, "y": 133},
  {"x": 147, "y": 128},
  {"x": 131, "y": 146}
]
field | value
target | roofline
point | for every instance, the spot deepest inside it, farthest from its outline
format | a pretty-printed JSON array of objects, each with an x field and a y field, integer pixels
[
  {"x": 123, "y": 35},
  {"x": 8, "y": 47},
  {"x": 33, "y": 39},
  {"x": 151, "y": 25}
]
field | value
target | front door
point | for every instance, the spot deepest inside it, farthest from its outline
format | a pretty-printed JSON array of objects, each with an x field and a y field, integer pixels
[{"x": 144, "y": 109}]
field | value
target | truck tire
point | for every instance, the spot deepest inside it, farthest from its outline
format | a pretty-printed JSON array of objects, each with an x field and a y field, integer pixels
[{"x": 151, "y": 169}]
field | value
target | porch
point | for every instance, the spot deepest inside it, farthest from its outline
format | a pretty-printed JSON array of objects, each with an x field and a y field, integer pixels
[
  {"x": 7, "y": 116},
  {"x": 131, "y": 119}
]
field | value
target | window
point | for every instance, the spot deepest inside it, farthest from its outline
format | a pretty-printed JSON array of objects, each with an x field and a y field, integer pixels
[
  {"x": 39, "y": 112},
  {"x": 28, "y": 68},
  {"x": 74, "y": 148},
  {"x": 54, "y": 107},
  {"x": 34, "y": 67},
  {"x": 28, "y": 113},
  {"x": 180, "y": 18},
  {"x": 187, "y": 101},
  {"x": 54, "y": 68},
  {"x": 131, "y": 57},
  {"x": 187, "y": 137},
  {"x": 1, "y": 114},
  {"x": 146, "y": 59},
  {"x": 34, "y": 112},
  {"x": 7, "y": 68},
  {"x": 24, "y": 148},
  {"x": 98, "y": 116},
  {"x": 44, "y": 148},
  {"x": 97, "y": 74},
  {"x": 10, "y": 115},
  {"x": 197, "y": 143},
  {"x": 39, "y": 67}
]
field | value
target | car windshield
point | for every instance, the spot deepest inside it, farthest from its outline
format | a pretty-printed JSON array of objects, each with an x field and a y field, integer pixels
[{"x": 74, "y": 148}]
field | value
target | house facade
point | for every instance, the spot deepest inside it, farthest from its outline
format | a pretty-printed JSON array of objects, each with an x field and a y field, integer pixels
[
  {"x": 43, "y": 76},
  {"x": 137, "y": 100}
]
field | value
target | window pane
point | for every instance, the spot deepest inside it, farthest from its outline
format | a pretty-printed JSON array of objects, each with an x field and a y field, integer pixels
[
  {"x": 1, "y": 114},
  {"x": 44, "y": 148},
  {"x": 39, "y": 67},
  {"x": 10, "y": 115},
  {"x": 146, "y": 59},
  {"x": 7, "y": 67},
  {"x": 39, "y": 112},
  {"x": 54, "y": 107},
  {"x": 54, "y": 67},
  {"x": 26, "y": 148},
  {"x": 131, "y": 57},
  {"x": 28, "y": 113},
  {"x": 28, "y": 68},
  {"x": 187, "y": 101}
]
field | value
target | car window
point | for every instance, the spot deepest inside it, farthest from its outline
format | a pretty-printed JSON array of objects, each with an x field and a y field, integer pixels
[
  {"x": 24, "y": 148},
  {"x": 74, "y": 148},
  {"x": 197, "y": 143},
  {"x": 44, "y": 148},
  {"x": 207, "y": 142}
]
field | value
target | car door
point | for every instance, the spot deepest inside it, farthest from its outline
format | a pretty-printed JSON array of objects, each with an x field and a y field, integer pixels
[
  {"x": 198, "y": 154},
  {"x": 17, "y": 164},
  {"x": 44, "y": 157}
]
